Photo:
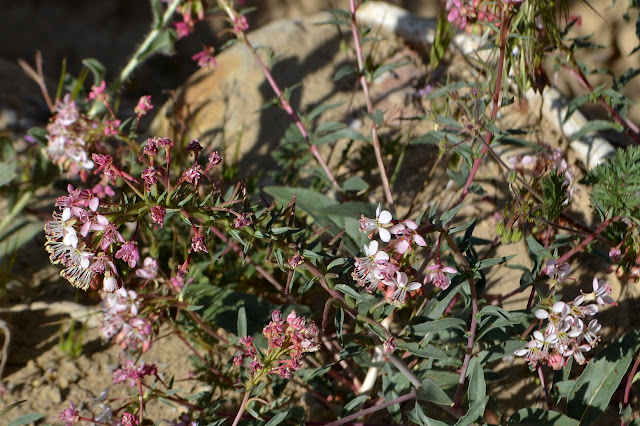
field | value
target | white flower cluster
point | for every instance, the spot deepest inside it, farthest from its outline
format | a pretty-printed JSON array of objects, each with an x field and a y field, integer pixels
[{"x": 565, "y": 333}]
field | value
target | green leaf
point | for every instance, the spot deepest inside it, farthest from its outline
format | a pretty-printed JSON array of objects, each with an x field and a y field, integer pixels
[
  {"x": 500, "y": 351},
  {"x": 475, "y": 411},
  {"x": 342, "y": 288},
  {"x": 11, "y": 407},
  {"x": 308, "y": 374},
  {"x": 339, "y": 322},
  {"x": 377, "y": 117},
  {"x": 334, "y": 136},
  {"x": 477, "y": 384},
  {"x": 96, "y": 68},
  {"x": 317, "y": 111},
  {"x": 162, "y": 44},
  {"x": 417, "y": 416},
  {"x": 16, "y": 237},
  {"x": 539, "y": 416},
  {"x": 432, "y": 393},
  {"x": 422, "y": 350},
  {"x": 26, "y": 419},
  {"x": 7, "y": 173},
  {"x": 450, "y": 214},
  {"x": 433, "y": 326},
  {"x": 345, "y": 71},
  {"x": 242, "y": 321},
  {"x": 564, "y": 388},
  {"x": 436, "y": 306},
  {"x": 486, "y": 263},
  {"x": 277, "y": 419},
  {"x": 156, "y": 11},
  {"x": 596, "y": 126},
  {"x": 354, "y": 403},
  {"x": 326, "y": 211},
  {"x": 575, "y": 104},
  {"x": 387, "y": 67},
  {"x": 355, "y": 183},
  {"x": 597, "y": 383}
]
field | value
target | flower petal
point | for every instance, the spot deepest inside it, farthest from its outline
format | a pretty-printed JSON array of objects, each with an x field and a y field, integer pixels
[
  {"x": 384, "y": 217},
  {"x": 384, "y": 235}
]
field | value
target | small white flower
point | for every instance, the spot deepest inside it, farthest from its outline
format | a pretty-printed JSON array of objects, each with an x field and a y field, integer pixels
[
  {"x": 602, "y": 290},
  {"x": 400, "y": 284},
  {"x": 382, "y": 220}
]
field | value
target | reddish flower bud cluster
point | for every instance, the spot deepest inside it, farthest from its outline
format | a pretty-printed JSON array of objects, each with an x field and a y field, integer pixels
[{"x": 292, "y": 337}]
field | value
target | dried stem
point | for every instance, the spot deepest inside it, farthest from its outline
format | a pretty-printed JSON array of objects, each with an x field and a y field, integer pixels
[{"x": 38, "y": 76}]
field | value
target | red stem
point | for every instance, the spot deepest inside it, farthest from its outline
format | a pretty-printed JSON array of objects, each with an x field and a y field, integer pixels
[
  {"x": 632, "y": 129},
  {"x": 632, "y": 373},
  {"x": 544, "y": 387},
  {"x": 367, "y": 95},
  {"x": 411, "y": 395},
  {"x": 587, "y": 240},
  {"x": 294, "y": 116}
]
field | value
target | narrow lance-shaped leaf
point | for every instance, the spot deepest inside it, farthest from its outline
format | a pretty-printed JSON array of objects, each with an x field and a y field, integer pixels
[
  {"x": 242, "y": 321},
  {"x": 538, "y": 416},
  {"x": 592, "y": 391}
]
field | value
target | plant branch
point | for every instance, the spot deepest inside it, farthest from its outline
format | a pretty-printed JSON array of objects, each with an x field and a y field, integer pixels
[
  {"x": 407, "y": 397},
  {"x": 374, "y": 127},
  {"x": 590, "y": 238},
  {"x": 243, "y": 407}
]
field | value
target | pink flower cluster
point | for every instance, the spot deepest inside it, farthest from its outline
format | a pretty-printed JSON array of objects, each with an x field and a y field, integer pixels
[
  {"x": 462, "y": 12},
  {"x": 565, "y": 333},
  {"x": 66, "y": 135},
  {"x": 84, "y": 242},
  {"x": 192, "y": 12},
  {"x": 130, "y": 372},
  {"x": 385, "y": 269},
  {"x": 120, "y": 320},
  {"x": 292, "y": 337}
]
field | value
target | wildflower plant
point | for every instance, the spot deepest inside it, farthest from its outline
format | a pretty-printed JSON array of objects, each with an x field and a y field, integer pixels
[{"x": 329, "y": 281}]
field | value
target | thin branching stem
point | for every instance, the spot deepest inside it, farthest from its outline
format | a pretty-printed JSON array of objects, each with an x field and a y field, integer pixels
[
  {"x": 284, "y": 103},
  {"x": 590, "y": 238},
  {"x": 407, "y": 397},
  {"x": 630, "y": 376},
  {"x": 374, "y": 127},
  {"x": 504, "y": 32},
  {"x": 243, "y": 407},
  {"x": 544, "y": 387}
]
